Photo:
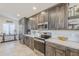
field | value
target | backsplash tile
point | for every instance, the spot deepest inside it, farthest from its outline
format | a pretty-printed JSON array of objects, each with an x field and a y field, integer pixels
[{"x": 72, "y": 35}]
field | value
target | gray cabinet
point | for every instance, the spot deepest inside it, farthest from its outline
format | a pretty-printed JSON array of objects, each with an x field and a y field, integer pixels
[
  {"x": 29, "y": 41},
  {"x": 58, "y": 17},
  {"x": 72, "y": 52},
  {"x": 33, "y": 21},
  {"x": 59, "y": 50},
  {"x": 49, "y": 50},
  {"x": 53, "y": 18},
  {"x": 55, "y": 50}
]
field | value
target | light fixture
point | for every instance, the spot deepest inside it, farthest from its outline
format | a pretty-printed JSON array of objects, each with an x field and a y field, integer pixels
[
  {"x": 18, "y": 15},
  {"x": 34, "y": 8},
  {"x": 31, "y": 18},
  {"x": 43, "y": 12}
]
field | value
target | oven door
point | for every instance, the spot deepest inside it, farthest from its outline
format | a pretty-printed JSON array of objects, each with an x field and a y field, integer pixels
[{"x": 39, "y": 46}]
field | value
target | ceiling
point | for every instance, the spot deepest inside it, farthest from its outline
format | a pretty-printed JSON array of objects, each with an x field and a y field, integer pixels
[{"x": 11, "y": 10}]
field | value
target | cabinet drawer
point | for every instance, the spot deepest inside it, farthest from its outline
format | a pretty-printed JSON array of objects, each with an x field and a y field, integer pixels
[
  {"x": 50, "y": 51},
  {"x": 56, "y": 46},
  {"x": 60, "y": 52},
  {"x": 55, "y": 49},
  {"x": 73, "y": 52}
]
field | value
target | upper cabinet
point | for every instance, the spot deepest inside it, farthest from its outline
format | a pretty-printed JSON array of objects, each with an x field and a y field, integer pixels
[
  {"x": 58, "y": 17},
  {"x": 53, "y": 18},
  {"x": 33, "y": 23},
  {"x": 43, "y": 20},
  {"x": 39, "y": 21}
]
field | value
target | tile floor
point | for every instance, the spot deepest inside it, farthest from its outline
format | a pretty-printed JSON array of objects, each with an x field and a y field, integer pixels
[{"x": 15, "y": 48}]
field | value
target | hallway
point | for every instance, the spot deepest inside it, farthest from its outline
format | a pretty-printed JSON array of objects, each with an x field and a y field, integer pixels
[{"x": 15, "y": 49}]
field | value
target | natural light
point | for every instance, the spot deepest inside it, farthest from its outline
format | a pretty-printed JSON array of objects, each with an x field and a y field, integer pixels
[{"x": 9, "y": 28}]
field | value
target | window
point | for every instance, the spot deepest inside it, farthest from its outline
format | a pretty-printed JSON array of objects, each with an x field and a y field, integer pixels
[{"x": 9, "y": 28}]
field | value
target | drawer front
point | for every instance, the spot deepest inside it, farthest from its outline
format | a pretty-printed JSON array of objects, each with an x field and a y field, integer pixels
[
  {"x": 50, "y": 51},
  {"x": 73, "y": 52},
  {"x": 56, "y": 46},
  {"x": 55, "y": 50},
  {"x": 60, "y": 52}
]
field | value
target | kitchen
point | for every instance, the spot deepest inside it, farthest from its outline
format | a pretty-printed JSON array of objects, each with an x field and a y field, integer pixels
[
  {"x": 42, "y": 29},
  {"x": 53, "y": 31}
]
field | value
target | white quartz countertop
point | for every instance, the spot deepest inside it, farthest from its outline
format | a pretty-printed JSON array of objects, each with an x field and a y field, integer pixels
[
  {"x": 67, "y": 43},
  {"x": 28, "y": 35}
]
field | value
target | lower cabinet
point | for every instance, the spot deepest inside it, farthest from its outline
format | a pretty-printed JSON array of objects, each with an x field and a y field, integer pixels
[
  {"x": 55, "y": 50},
  {"x": 50, "y": 51},
  {"x": 59, "y": 50},
  {"x": 72, "y": 52},
  {"x": 29, "y": 41},
  {"x": 21, "y": 39}
]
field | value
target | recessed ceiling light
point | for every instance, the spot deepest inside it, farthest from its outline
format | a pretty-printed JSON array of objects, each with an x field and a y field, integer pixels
[
  {"x": 31, "y": 18},
  {"x": 34, "y": 8},
  {"x": 18, "y": 14},
  {"x": 43, "y": 12}
]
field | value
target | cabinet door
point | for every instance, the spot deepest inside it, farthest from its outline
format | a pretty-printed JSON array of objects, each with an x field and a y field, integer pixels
[
  {"x": 50, "y": 51},
  {"x": 51, "y": 23},
  {"x": 32, "y": 43},
  {"x": 55, "y": 50},
  {"x": 22, "y": 39},
  {"x": 62, "y": 19},
  {"x": 58, "y": 17},
  {"x": 46, "y": 17},
  {"x": 60, "y": 52},
  {"x": 27, "y": 41},
  {"x": 73, "y": 52}
]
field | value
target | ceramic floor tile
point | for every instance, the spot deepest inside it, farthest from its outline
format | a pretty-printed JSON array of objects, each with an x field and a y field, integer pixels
[{"x": 15, "y": 49}]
